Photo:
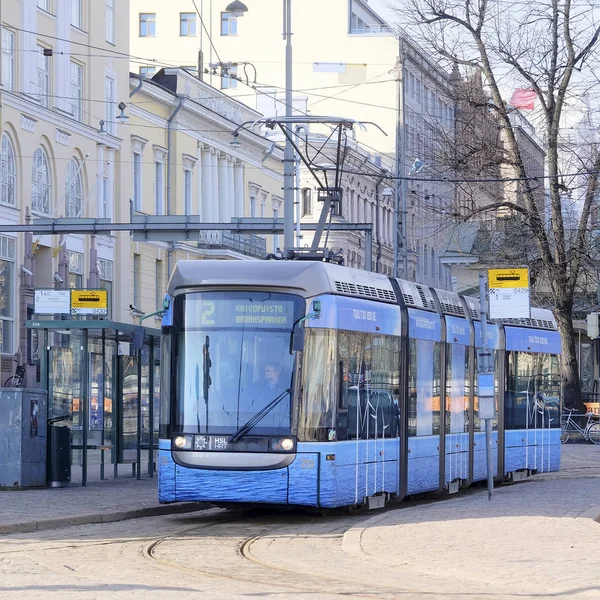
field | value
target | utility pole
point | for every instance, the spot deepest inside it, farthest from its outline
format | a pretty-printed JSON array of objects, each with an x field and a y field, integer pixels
[
  {"x": 288, "y": 154},
  {"x": 485, "y": 383},
  {"x": 400, "y": 241}
]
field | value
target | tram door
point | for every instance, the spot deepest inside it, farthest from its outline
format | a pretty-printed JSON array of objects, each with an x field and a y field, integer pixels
[
  {"x": 424, "y": 401},
  {"x": 458, "y": 399}
]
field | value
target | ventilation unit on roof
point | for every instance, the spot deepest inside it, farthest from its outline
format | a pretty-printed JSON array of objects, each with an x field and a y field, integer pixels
[
  {"x": 426, "y": 302},
  {"x": 452, "y": 309},
  {"x": 364, "y": 291}
]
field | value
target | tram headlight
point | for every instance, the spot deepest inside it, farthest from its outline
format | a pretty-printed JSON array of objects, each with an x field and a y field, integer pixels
[
  {"x": 282, "y": 444},
  {"x": 182, "y": 442}
]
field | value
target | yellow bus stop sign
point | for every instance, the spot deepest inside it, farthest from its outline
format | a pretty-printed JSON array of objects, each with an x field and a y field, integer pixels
[
  {"x": 508, "y": 278},
  {"x": 89, "y": 302}
]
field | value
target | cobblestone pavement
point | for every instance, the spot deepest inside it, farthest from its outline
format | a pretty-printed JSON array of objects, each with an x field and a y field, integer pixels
[{"x": 532, "y": 540}]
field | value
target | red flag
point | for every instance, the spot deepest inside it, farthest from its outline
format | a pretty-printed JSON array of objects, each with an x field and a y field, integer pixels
[{"x": 523, "y": 98}]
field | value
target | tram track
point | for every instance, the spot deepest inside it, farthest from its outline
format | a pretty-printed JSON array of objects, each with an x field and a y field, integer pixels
[{"x": 251, "y": 569}]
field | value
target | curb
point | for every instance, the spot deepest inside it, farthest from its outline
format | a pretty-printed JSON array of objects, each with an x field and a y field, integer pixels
[
  {"x": 123, "y": 515},
  {"x": 591, "y": 513}
]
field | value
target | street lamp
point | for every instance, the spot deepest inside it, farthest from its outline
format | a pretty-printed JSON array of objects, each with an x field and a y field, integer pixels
[{"x": 237, "y": 9}]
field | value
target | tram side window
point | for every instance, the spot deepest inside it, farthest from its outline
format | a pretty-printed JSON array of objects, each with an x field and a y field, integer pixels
[
  {"x": 424, "y": 388},
  {"x": 457, "y": 388},
  {"x": 532, "y": 398},
  {"x": 316, "y": 420},
  {"x": 369, "y": 386}
]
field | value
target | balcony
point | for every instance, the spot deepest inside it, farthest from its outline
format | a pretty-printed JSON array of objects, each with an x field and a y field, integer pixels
[
  {"x": 371, "y": 30},
  {"x": 245, "y": 243}
]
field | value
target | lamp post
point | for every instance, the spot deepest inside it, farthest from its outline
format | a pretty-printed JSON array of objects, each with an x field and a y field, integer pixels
[{"x": 238, "y": 9}]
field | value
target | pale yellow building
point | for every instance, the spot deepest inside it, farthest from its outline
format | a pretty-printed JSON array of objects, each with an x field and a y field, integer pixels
[
  {"x": 63, "y": 76},
  {"x": 344, "y": 55},
  {"x": 185, "y": 160}
]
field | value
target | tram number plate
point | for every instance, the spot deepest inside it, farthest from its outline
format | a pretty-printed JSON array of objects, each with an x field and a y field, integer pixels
[{"x": 211, "y": 442}]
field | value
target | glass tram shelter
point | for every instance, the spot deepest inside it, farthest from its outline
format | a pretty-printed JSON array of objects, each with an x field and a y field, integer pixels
[{"x": 102, "y": 379}]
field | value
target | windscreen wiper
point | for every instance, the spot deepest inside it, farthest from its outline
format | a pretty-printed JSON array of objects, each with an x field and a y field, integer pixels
[{"x": 244, "y": 429}]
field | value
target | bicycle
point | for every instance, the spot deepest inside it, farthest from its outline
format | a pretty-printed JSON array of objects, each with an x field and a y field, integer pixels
[
  {"x": 590, "y": 432},
  {"x": 16, "y": 380}
]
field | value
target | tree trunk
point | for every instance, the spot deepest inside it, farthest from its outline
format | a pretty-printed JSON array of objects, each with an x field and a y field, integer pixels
[{"x": 572, "y": 397}]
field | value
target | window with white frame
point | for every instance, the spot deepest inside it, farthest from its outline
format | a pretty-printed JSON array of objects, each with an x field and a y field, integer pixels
[
  {"x": 159, "y": 188},
  {"x": 147, "y": 24},
  {"x": 307, "y": 202},
  {"x": 74, "y": 190},
  {"x": 263, "y": 203},
  {"x": 228, "y": 24},
  {"x": 8, "y": 59},
  {"x": 276, "y": 207},
  {"x": 8, "y": 172},
  {"x": 44, "y": 5},
  {"x": 7, "y": 293},
  {"x": 105, "y": 274},
  {"x": 105, "y": 198},
  {"x": 76, "y": 90},
  {"x": 75, "y": 261},
  {"x": 137, "y": 276},
  {"x": 137, "y": 181},
  {"x": 158, "y": 284},
  {"x": 187, "y": 24},
  {"x": 147, "y": 71},
  {"x": 109, "y": 104},
  {"x": 187, "y": 191},
  {"x": 110, "y": 21},
  {"x": 253, "y": 206},
  {"x": 77, "y": 13},
  {"x": 43, "y": 73},
  {"x": 228, "y": 78},
  {"x": 40, "y": 183}
]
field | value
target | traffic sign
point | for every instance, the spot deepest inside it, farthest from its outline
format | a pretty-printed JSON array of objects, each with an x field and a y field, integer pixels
[
  {"x": 89, "y": 302},
  {"x": 509, "y": 293}
]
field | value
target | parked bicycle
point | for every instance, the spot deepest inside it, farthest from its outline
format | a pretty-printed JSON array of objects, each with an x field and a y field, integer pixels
[
  {"x": 590, "y": 431},
  {"x": 16, "y": 380}
]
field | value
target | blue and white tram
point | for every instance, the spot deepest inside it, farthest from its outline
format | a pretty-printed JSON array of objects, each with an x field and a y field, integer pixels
[{"x": 375, "y": 396}]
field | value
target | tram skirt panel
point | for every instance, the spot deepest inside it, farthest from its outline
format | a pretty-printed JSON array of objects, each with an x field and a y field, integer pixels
[
  {"x": 423, "y": 464},
  {"x": 166, "y": 476},
  {"x": 352, "y": 470},
  {"x": 479, "y": 455},
  {"x": 457, "y": 456},
  {"x": 304, "y": 477}
]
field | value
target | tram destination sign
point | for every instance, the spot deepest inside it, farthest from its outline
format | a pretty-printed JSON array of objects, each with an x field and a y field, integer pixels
[
  {"x": 89, "y": 302},
  {"x": 238, "y": 313},
  {"x": 509, "y": 293}
]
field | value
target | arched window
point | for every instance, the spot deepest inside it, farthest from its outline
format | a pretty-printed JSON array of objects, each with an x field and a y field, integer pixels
[
  {"x": 73, "y": 190},
  {"x": 8, "y": 172},
  {"x": 40, "y": 183}
]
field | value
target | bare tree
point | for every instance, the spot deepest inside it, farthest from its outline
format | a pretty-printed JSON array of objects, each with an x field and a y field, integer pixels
[{"x": 551, "y": 47}]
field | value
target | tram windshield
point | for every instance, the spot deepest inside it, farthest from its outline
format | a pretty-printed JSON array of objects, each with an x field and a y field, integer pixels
[{"x": 234, "y": 359}]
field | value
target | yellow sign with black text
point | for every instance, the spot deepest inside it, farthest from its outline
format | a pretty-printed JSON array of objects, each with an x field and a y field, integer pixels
[
  {"x": 508, "y": 278},
  {"x": 89, "y": 302}
]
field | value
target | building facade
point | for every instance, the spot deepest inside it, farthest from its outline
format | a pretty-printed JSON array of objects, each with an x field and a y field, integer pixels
[
  {"x": 186, "y": 161},
  {"x": 61, "y": 153},
  {"x": 344, "y": 54}
]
